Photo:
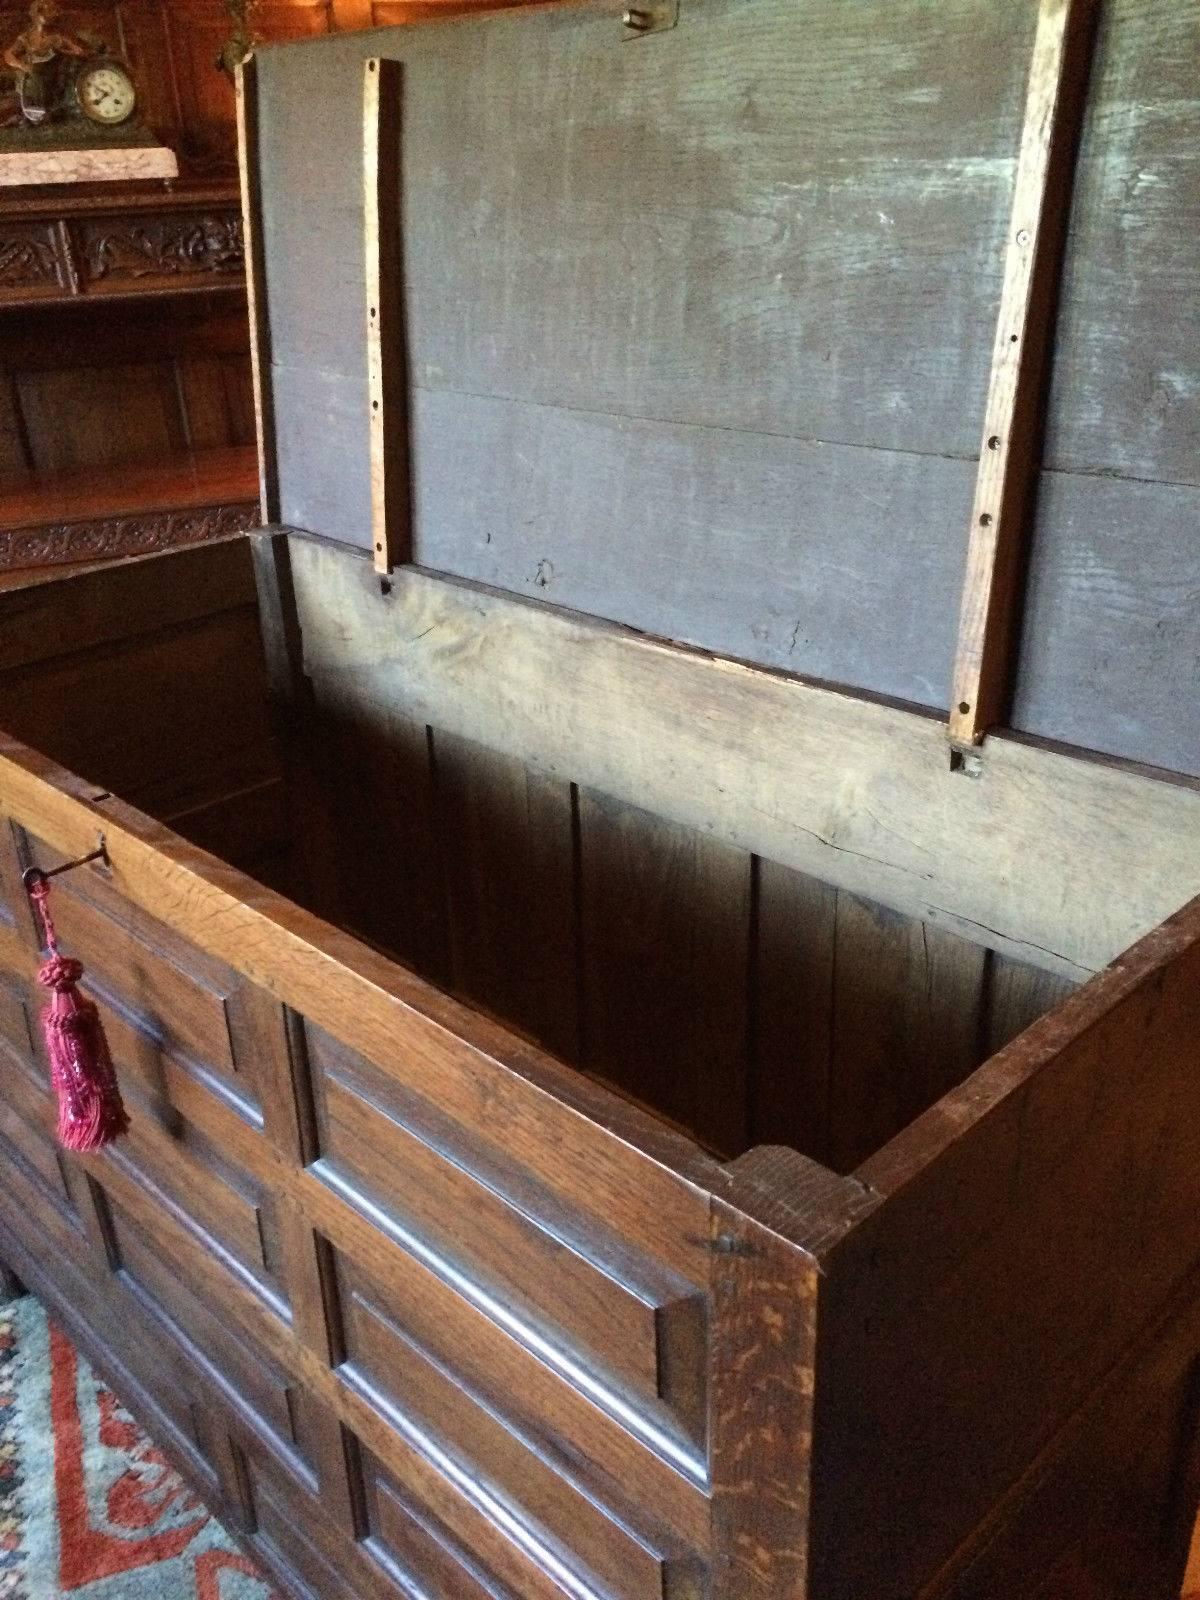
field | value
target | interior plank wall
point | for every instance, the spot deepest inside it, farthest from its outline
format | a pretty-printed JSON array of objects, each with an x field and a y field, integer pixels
[
  {"x": 746, "y": 1002},
  {"x": 829, "y": 307},
  {"x": 150, "y": 683}
]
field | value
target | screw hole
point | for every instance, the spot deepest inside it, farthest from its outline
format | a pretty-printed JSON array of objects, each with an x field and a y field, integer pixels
[
  {"x": 963, "y": 707},
  {"x": 1013, "y": 337},
  {"x": 985, "y": 520},
  {"x": 994, "y": 442},
  {"x": 370, "y": 66},
  {"x": 374, "y": 405},
  {"x": 379, "y": 547},
  {"x": 374, "y": 313}
]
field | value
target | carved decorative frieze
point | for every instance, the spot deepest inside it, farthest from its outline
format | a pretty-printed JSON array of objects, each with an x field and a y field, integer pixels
[
  {"x": 30, "y": 258},
  {"x": 136, "y": 535},
  {"x": 132, "y": 242},
  {"x": 163, "y": 247}
]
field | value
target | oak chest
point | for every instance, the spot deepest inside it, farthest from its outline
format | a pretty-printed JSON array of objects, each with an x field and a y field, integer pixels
[{"x": 639, "y": 926}]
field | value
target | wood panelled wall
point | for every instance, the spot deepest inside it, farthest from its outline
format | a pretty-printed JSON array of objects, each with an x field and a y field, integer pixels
[
  {"x": 748, "y": 1003},
  {"x": 102, "y": 388},
  {"x": 153, "y": 689}
]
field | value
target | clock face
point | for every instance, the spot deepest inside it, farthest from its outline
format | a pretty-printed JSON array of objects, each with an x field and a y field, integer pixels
[{"x": 106, "y": 93}]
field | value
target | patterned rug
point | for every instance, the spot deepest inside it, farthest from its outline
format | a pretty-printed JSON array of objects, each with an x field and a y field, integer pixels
[{"x": 88, "y": 1507}]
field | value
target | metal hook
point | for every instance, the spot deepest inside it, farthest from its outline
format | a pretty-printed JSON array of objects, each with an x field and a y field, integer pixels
[{"x": 35, "y": 875}]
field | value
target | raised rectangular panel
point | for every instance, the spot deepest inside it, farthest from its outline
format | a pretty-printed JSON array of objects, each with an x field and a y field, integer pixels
[
  {"x": 165, "y": 1006},
  {"x": 403, "y": 1536},
  {"x": 517, "y": 1498},
  {"x": 508, "y": 1242},
  {"x": 222, "y": 1201},
  {"x": 255, "y": 1389}
]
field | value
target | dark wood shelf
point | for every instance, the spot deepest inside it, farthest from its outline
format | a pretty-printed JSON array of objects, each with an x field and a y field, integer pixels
[
  {"x": 85, "y": 199},
  {"x": 133, "y": 509}
]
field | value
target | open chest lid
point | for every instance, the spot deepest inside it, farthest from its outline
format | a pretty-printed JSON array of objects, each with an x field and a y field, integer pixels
[{"x": 688, "y": 320}]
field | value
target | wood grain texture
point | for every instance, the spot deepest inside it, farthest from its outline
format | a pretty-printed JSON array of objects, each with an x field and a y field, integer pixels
[
  {"x": 685, "y": 230},
  {"x": 249, "y": 172},
  {"x": 1104, "y": 608},
  {"x": 769, "y": 503},
  {"x": 178, "y": 1269},
  {"x": 773, "y": 550},
  {"x": 851, "y": 792},
  {"x": 794, "y": 974},
  {"x": 201, "y": 336},
  {"x": 107, "y": 607},
  {"x": 763, "y": 1384},
  {"x": 1126, "y": 1528},
  {"x": 906, "y": 1024},
  {"x": 507, "y": 841},
  {"x": 1015, "y": 997},
  {"x": 725, "y": 992},
  {"x": 995, "y": 1327},
  {"x": 153, "y": 421},
  {"x": 187, "y": 480},
  {"x": 532, "y": 446},
  {"x": 666, "y": 930},
  {"x": 543, "y": 1277},
  {"x": 387, "y": 365},
  {"x": 627, "y": 1565},
  {"x": 824, "y": 615},
  {"x": 754, "y": 1362},
  {"x": 1125, "y": 397},
  {"x": 1108, "y": 609},
  {"x": 1009, "y": 453},
  {"x": 373, "y": 771},
  {"x": 151, "y": 675},
  {"x": 124, "y": 714}
]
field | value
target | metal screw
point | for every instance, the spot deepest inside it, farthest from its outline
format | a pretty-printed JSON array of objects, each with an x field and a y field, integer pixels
[{"x": 1023, "y": 237}]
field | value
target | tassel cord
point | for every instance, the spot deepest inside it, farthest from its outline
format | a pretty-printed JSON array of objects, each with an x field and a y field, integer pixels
[
  {"x": 91, "y": 1113},
  {"x": 39, "y": 893}
]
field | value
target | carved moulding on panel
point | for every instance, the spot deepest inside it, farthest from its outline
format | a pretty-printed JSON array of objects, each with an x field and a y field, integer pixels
[
  {"x": 129, "y": 247},
  {"x": 29, "y": 258},
  {"x": 121, "y": 536}
]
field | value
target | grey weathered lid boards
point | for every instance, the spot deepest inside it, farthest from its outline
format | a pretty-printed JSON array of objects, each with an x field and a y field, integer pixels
[{"x": 698, "y": 329}]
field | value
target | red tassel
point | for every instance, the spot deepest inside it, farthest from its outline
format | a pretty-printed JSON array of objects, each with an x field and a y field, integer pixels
[{"x": 90, "y": 1111}]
